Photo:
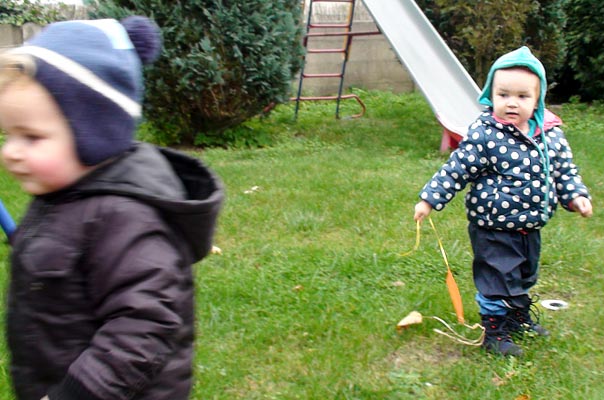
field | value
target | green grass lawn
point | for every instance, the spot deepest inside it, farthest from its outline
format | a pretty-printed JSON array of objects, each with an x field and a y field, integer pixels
[{"x": 304, "y": 300}]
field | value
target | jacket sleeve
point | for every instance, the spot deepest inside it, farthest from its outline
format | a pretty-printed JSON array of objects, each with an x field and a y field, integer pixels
[
  {"x": 139, "y": 283},
  {"x": 463, "y": 166},
  {"x": 568, "y": 182}
]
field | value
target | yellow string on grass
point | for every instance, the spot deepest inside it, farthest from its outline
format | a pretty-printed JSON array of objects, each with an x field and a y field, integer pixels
[{"x": 454, "y": 294}]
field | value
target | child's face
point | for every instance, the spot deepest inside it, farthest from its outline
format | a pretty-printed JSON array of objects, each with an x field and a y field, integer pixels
[
  {"x": 515, "y": 96},
  {"x": 39, "y": 149}
]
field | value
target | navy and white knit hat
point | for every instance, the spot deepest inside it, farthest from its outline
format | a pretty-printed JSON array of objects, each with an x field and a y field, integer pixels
[{"x": 93, "y": 71}]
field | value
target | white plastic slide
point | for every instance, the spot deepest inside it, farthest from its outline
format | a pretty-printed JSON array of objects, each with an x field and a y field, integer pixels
[{"x": 444, "y": 82}]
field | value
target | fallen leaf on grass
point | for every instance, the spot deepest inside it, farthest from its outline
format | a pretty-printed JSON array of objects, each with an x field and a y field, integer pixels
[
  {"x": 413, "y": 317},
  {"x": 498, "y": 381},
  {"x": 252, "y": 190}
]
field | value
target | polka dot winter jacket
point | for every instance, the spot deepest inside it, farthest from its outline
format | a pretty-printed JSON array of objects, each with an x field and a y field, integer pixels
[{"x": 507, "y": 173}]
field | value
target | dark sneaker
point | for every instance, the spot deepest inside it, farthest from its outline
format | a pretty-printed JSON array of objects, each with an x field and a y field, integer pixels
[
  {"x": 520, "y": 323},
  {"x": 497, "y": 338}
]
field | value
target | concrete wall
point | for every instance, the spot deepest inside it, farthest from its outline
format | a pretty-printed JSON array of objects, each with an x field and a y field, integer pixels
[
  {"x": 11, "y": 36},
  {"x": 372, "y": 63}
]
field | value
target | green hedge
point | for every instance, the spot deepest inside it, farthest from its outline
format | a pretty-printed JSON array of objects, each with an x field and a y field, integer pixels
[
  {"x": 585, "y": 41},
  {"x": 479, "y": 32},
  {"x": 223, "y": 62},
  {"x": 19, "y": 12}
]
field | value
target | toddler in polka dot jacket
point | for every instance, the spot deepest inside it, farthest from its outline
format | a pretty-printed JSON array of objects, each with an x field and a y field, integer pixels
[{"x": 519, "y": 166}]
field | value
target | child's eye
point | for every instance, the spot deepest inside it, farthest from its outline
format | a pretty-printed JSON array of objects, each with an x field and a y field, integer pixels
[
  {"x": 25, "y": 137},
  {"x": 30, "y": 137}
]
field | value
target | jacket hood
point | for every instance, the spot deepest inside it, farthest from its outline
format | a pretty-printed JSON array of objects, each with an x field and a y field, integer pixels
[
  {"x": 187, "y": 194},
  {"x": 521, "y": 57}
]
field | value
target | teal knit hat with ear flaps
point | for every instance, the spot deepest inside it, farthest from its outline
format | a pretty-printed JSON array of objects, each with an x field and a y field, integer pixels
[{"x": 521, "y": 57}]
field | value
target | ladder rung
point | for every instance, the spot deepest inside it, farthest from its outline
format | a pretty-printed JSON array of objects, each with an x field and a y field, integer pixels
[
  {"x": 343, "y": 97},
  {"x": 332, "y": 75},
  {"x": 320, "y": 25},
  {"x": 321, "y": 34},
  {"x": 325, "y": 51}
]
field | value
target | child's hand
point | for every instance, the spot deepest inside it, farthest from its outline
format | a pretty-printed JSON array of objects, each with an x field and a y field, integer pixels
[
  {"x": 422, "y": 210},
  {"x": 583, "y": 206}
]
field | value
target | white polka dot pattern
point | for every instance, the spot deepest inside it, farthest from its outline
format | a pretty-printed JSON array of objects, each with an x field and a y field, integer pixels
[{"x": 507, "y": 176}]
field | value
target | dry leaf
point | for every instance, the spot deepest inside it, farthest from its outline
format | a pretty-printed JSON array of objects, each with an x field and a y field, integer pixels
[
  {"x": 216, "y": 250},
  {"x": 523, "y": 397},
  {"x": 414, "y": 317},
  {"x": 252, "y": 190},
  {"x": 498, "y": 381}
]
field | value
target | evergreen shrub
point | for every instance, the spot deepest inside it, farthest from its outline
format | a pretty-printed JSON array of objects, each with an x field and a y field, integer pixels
[
  {"x": 585, "y": 42},
  {"x": 223, "y": 62},
  {"x": 481, "y": 31},
  {"x": 19, "y": 12}
]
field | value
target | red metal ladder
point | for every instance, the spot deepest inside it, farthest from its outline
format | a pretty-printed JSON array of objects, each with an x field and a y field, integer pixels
[{"x": 343, "y": 29}]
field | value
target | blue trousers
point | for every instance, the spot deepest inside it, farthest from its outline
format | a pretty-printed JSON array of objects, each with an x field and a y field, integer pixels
[{"x": 505, "y": 267}]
